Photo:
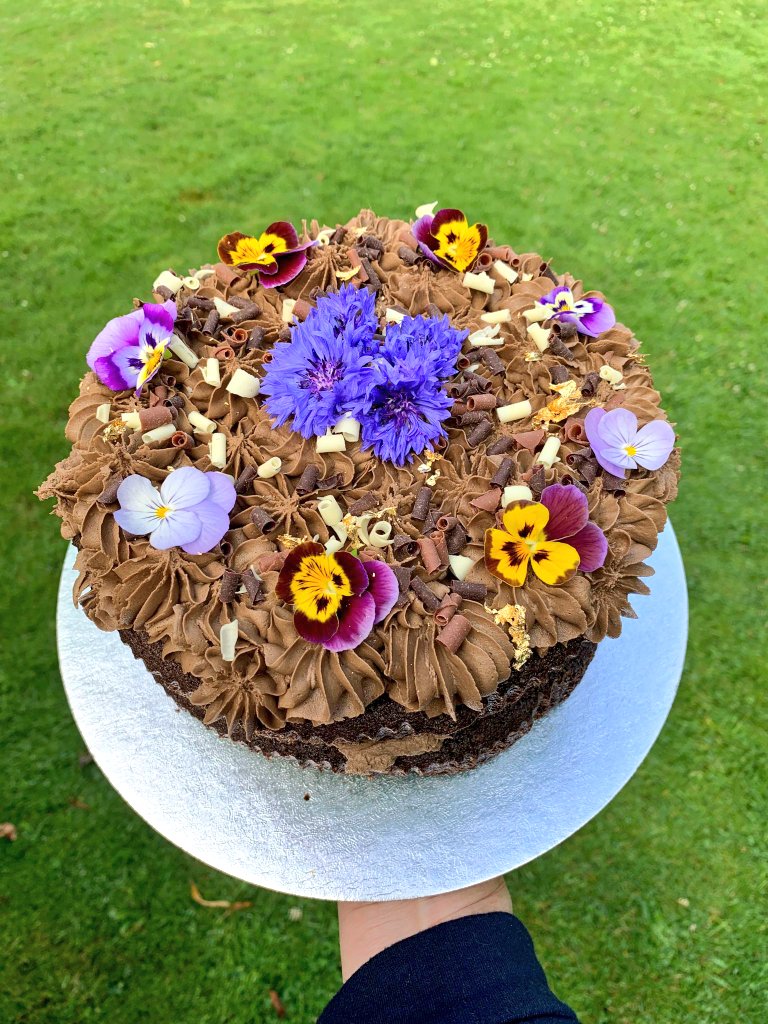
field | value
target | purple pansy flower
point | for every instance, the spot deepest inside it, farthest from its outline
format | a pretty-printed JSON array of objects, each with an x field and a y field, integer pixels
[
  {"x": 591, "y": 315},
  {"x": 130, "y": 349},
  {"x": 618, "y": 445},
  {"x": 569, "y": 522},
  {"x": 190, "y": 511}
]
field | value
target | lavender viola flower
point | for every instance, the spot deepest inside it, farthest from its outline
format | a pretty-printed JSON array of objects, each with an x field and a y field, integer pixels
[
  {"x": 314, "y": 377},
  {"x": 618, "y": 445},
  {"x": 130, "y": 349},
  {"x": 190, "y": 511},
  {"x": 591, "y": 315}
]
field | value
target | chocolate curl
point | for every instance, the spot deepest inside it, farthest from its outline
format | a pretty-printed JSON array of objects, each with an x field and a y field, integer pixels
[
  {"x": 446, "y": 523},
  {"x": 483, "y": 262},
  {"x": 434, "y": 311},
  {"x": 459, "y": 389},
  {"x": 241, "y": 302},
  {"x": 160, "y": 391},
  {"x": 134, "y": 442},
  {"x": 421, "y": 504},
  {"x": 211, "y": 322},
  {"x": 330, "y": 482},
  {"x": 561, "y": 350},
  {"x": 155, "y": 417},
  {"x": 456, "y": 539},
  {"x": 177, "y": 401},
  {"x": 247, "y": 313},
  {"x": 167, "y": 379},
  {"x": 463, "y": 361},
  {"x": 403, "y": 577},
  {"x": 438, "y": 539},
  {"x": 236, "y": 336},
  {"x": 458, "y": 408},
  {"x": 574, "y": 430},
  {"x": 253, "y": 587},
  {"x": 338, "y": 235},
  {"x": 585, "y": 467},
  {"x": 503, "y": 473},
  {"x": 590, "y": 385},
  {"x": 489, "y": 501},
  {"x": 479, "y": 433},
  {"x": 163, "y": 292},
  {"x": 430, "y": 523},
  {"x": 408, "y": 256},
  {"x": 469, "y": 419},
  {"x": 373, "y": 278},
  {"x": 537, "y": 481},
  {"x": 197, "y": 302},
  {"x": 284, "y": 334},
  {"x": 529, "y": 439},
  {"x": 505, "y": 253},
  {"x": 448, "y": 608},
  {"x": 546, "y": 271},
  {"x": 404, "y": 547},
  {"x": 245, "y": 479},
  {"x": 363, "y": 504},
  {"x": 455, "y": 633},
  {"x": 181, "y": 439},
  {"x": 273, "y": 562},
  {"x": 470, "y": 591},
  {"x": 308, "y": 480},
  {"x": 480, "y": 384},
  {"x": 424, "y": 594},
  {"x": 565, "y": 331},
  {"x": 230, "y": 582},
  {"x": 372, "y": 242},
  {"x": 481, "y": 403},
  {"x": 225, "y": 548},
  {"x": 491, "y": 359},
  {"x": 262, "y": 520},
  {"x": 430, "y": 556},
  {"x": 614, "y": 484},
  {"x": 441, "y": 442},
  {"x": 558, "y": 374},
  {"x": 255, "y": 340},
  {"x": 502, "y": 445},
  {"x": 302, "y": 309},
  {"x": 354, "y": 261},
  {"x": 224, "y": 352},
  {"x": 109, "y": 494}
]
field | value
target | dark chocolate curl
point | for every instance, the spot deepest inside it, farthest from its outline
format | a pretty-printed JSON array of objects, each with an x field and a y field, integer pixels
[
  {"x": 211, "y": 322},
  {"x": 408, "y": 256},
  {"x": 256, "y": 338},
  {"x": 455, "y": 633},
  {"x": 253, "y": 587},
  {"x": 558, "y": 348},
  {"x": 438, "y": 539},
  {"x": 363, "y": 504},
  {"x": 502, "y": 445},
  {"x": 249, "y": 312},
  {"x": 421, "y": 504},
  {"x": 373, "y": 278},
  {"x": 446, "y": 523},
  {"x": 558, "y": 374},
  {"x": 456, "y": 539},
  {"x": 470, "y": 591},
  {"x": 403, "y": 576},
  {"x": 229, "y": 585},
  {"x": 182, "y": 440},
  {"x": 163, "y": 292},
  {"x": 479, "y": 433},
  {"x": 245, "y": 479},
  {"x": 372, "y": 242},
  {"x": 109, "y": 494},
  {"x": 198, "y": 302},
  {"x": 308, "y": 480},
  {"x": 262, "y": 520},
  {"x": 614, "y": 484},
  {"x": 492, "y": 360},
  {"x": 481, "y": 403},
  {"x": 538, "y": 480},
  {"x": 424, "y": 594},
  {"x": 469, "y": 419},
  {"x": 403, "y": 546},
  {"x": 503, "y": 473},
  {"x": 330, "y": 482},
  {"x": 565, "y": 330},
  {"x": 590, "y": 384}
]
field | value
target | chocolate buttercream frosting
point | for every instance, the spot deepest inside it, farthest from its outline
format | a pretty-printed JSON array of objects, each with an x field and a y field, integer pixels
[{"x": 438, "y": 507}]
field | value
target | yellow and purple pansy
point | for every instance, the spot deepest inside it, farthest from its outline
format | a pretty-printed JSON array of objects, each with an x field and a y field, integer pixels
[
  {"x": 535, "y": 533},
  {"x": 276, "y": 255},
  {"x": 591, "y": 315},
  {"x": 130, "y": 349},
  {"x": 449, "y": 240},
  {"x": 336, "y": 598}
]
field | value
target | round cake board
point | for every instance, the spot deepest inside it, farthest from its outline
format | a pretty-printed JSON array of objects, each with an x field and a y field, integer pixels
[{"x": 314, "y": 833}]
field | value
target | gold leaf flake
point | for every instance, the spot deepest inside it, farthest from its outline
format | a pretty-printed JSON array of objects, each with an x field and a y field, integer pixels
[
  {"x": 113, "y": 430},
  {"x": 568, "y": 401},
  {"x": 347, "y": 275},
  {"x": 513, "y": 616}
]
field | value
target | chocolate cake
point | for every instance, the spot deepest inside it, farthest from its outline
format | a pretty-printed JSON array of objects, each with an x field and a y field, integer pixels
[{"x": 366, "y": 495}]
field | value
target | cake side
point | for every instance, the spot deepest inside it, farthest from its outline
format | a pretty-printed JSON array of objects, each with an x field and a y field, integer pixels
[{"x": 388, "y": 468}]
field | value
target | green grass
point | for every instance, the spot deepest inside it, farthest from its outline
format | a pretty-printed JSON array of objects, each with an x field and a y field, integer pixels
[{"x": 624, "y": 141}]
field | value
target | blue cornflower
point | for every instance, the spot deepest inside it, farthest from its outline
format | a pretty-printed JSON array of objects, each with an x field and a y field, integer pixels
[
  {"x": 350, "y": 312},
  {"x": 314, "y": 378},
  {"x": 433, "y": 340}
]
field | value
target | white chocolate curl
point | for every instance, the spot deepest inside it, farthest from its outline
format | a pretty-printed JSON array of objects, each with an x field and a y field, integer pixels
[
  {"x": 217, "y": 450},
  {"x": 479, "y": 282},
  {"x": 243, "y": 384},
  {"x": 515, "y": 492},
  {"x": 539, "y": 336},
  {"x": 324, "y": 236},
  {"x": 333, "y": 544},
  {"x": 204, "y": 273},
  {"x": 190, "y": 283},
  {"x": 486, "y": 336},
  {"x": 460, "y": 566},
  {"x": 536, "y": 314},
  {"x": 212, "y": 373},
  {"x": 496, "y": 316},
  {"x": 608, "y": 373},
  {"x": 228, "y": 640},
  {"x": 287, "y": 310},
  {"x": 161, "y": 433},
  {"x": 200, "y": 424},
  {"x": 329, "y": 510},
  {"x": 426, "y": 209},
  {"x": 504, "y": 270},
  {"x": 183, "y": 351},
  {"x": 168, "y": 280},
  {"x": 379, "y": 536},
  {"x": 269, "y": 468},
  {"x": 330, "y": 443},
  {"x": 131, "y": 420},
  {"x": 349, "y": 428},
  {"x": 548, "y": 454},
  {"x": 223, "y": 308},
  {"x": 102, "y": 412},
  {"x": 514, "y": 411},
  {"x": 393, "y": 316}
]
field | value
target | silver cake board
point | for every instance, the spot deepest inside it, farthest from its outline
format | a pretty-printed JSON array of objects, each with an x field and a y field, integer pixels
[{"x": 382, "y": 838}]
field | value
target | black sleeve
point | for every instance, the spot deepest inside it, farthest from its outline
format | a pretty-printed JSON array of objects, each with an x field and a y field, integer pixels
[{"x": 475, "y": 970}]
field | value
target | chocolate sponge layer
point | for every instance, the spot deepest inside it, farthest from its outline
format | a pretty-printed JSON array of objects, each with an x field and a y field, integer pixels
[{"x": 473, "y": 737}]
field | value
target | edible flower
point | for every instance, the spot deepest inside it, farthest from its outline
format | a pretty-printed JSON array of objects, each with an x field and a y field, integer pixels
[
  {"x": 337, "y": 599},
  {"x": 618, "y": 445},
  {"x": 190, "y": 511},
  {"x": 449, "y": 240},
  {"x": 592, "y": 316},
  {"x": 534, "y": 532},
  {"x": 276, "y": 256},
  {"x": 130, "y": 349}
]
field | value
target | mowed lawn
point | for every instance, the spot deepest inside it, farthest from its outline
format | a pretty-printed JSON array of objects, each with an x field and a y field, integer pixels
[{"x": 624, "y": 141}]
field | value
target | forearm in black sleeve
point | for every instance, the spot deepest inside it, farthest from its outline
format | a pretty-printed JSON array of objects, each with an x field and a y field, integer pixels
[{"x": 474, "y": 970}]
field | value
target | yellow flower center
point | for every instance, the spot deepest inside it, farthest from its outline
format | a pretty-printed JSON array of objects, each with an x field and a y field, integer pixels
[
  {"x": 458, "y": 243},
  {"x": 630, "y": 450},
  {"x": 319, "y": 587},
  {"x": 163, "y": 511},
  {"x": 261, "y": 250}
]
